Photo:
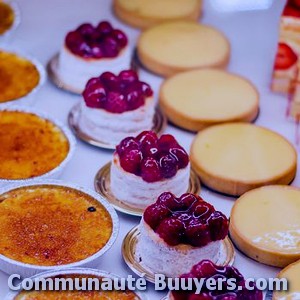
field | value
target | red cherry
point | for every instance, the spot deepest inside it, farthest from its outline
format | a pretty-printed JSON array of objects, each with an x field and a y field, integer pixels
[
  {"x": 146, "y": 89},
  {"x": 218, "y": 226},
  {"x": 96, "y": 50},
  {"x": 285, "y": 57},
  {"x": 166, "y": 141},
  {"x": 130, "y": 161},
  {"x": 296, "y": 3},
  {"x": 197, "y": 234},
  {"x": 120, "y": 37},
  {"x": 134, "y": 99},
  {"x": 203, "y": 210},
  {"x": 83, "y": 50},
  {"x": 154, "y": 214},
  {"x": 148, "y": 143},
  {"x": 188, "y": 199},
  {"x": 127, "y": 144},
  {"x": 116, "y": 103},
  {"x": 150, "y": 171},
  {"x": 181, "y": 156},
  {"x": 94, "y": 95},
  {"x": 204, "y": 269},
  {"x": 171, "y": 231},
  {"x": 110, "y": 47},
  {"x": 128, "y": 76},
  {"x": 169, "y": 200},
  {"x": 86, "y": 29},
  {"x": 93, "y": 81},
  {"x": 110, "y": 80},
  {"x": 168, "y": 166},
  {"x": 73, "y": 39},
  {"x": 291, "y": 11},
  {"x": 104, "y": 27}
]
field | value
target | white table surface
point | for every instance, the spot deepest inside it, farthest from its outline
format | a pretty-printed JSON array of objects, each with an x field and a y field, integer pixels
[{"x": 253, "y": 36}]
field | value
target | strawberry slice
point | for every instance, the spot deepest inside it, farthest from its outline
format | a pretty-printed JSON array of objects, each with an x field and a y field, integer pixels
[{"x": 285, "y": 57}]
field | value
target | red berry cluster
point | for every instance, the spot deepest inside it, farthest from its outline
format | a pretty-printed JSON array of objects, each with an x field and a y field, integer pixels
[
  {"x": 116, "y": 93},
  {"x": 151, "y": 157},
  {"x": 292, "y": 9},
  {"x": 206, "y": 269},
  {"x": 96, "y": 42},
  {"x": 186, "y": 220}
]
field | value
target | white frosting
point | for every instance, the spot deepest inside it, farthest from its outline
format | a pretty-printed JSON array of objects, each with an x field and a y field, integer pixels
[
  {"x": 133, "y": 190},
  {"x": 75, "y": 71},
  {"x": 172, "y": 261},
  {"x": 112, "y": 128}
]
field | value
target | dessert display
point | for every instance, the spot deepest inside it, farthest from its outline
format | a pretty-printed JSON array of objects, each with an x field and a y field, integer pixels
[
  {"x": 148, "y": 12},
  {"x": 81, "y": 274},
  {"x": 116, "y": 106},
  {"x": 176, "y": 232},
  {"x": 47, "y": 225},
  {"x": 192, "y": 100},
  {"x": 208, "y": 270},
  {"x": 89, "y": 51},
  {"x": 186, "y": 46},
  {"x": 7, "y": 17},
  {"x": 31, "y": 145},
  {"x": 258, "y": 229},
  {"x": 145, "y": 166},
  {"x": 18, "y": 77},
  {"x": 234, "y": 158},
  {"x": 292, "y": 274}
]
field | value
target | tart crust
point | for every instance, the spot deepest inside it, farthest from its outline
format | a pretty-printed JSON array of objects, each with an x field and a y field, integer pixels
[
  {"x": 196, "y": 99},
  {"x": 137, "y": 13},
  {"x": 7, "y": 17},
  {"x": 234, "y": 158},
  {"x": 265, "y": 225},
  {"x": 186, "y": 46}
]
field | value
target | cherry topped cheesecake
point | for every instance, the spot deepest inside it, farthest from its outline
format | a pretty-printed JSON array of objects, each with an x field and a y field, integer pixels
[
  {"x": 116, "y": 106},
  {"x": 145, "y": 166},
  {"x": 177, "y": 232},
  {"x": 207, "y": 270},
  {"x": 90, "y": 50}
]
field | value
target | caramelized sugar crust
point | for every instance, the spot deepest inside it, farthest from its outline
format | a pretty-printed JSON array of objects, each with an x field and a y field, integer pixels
[
  {"x": 30, "y": 146},
  {"x": 18, "y": 76},
  {"x": 7, "y": 17},
  {"x": 51, "y": 225}
]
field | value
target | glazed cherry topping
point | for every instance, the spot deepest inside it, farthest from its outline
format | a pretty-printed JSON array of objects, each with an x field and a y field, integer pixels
[
  {"x": 159, "y": 159},
  {"x": 116, "y": 93},
  {"x": 190, "y": 220},
  {"x": 96, "y": 42},
  {"x": 285, "y": 57},
  {"x": 207, "y": 270}
]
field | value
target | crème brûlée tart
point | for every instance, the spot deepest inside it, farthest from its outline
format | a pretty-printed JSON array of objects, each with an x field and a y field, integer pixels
[
  {"x": 52, "y": 225},
  {"x": 234, "y": 158},
  {"x": 31, "y": 146},
  {"x": 79, "y": 295},
  {"x": 258, "y": 228},
  {"x": 200, "y": 98},
  {"x": 292, "y": 274},
  {"x": 7, "y": 17},
  {"x": 146, "y": 13},
  {"x": 174, "y": 47},
  {"x": 18, "y": 76}
]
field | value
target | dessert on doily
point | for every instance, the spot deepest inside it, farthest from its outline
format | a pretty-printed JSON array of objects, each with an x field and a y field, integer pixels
[
  {"x": 145, "y": 166},
  {"x": 89, "y": 51},
  {"x": 116, "y": 106},
  {"x": 258, "y": 229},
  {"x": 196, "y": 99},
  {"x": 175, "y": 233},
  {"x": 174, "y": 47},
  {"x": 144, "y": 14},
  {"x": 234, "y": 158},
  {"x": 207, "y": 270}
]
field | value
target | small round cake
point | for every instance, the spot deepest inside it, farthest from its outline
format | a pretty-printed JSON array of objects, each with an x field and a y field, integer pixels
[
  {"x": 196, "y": 99},
  {"x": 175, "y": 233},
  {"x": 207, "y": 270},
  {"x": 175, "y": 47},
  {"x": 89, "y": 51},
  {"x": 116, "y": 106},
  {"x": 146, "y": 166},
  {"x": 292, "y": 274},
  {"x": 234, "y": 158},
  {"x": 18, "y": 76},
  {"x": 144, "y": 14},
  {"x": 265, "y": 225}
]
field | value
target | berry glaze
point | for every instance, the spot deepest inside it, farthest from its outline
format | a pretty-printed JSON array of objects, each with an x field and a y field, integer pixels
[
  {"x": 102, "y": 41},
  {"x": 116, "y": 93},
  {"x": 292, "y": 9},
  {"x": 151, "y": 157},
  {"x": 186, "y": 220},
  {"x": 206, "y": 269}
]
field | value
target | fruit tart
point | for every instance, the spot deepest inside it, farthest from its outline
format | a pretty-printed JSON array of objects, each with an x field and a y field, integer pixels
[
  {"x": 90, "y": 50},
  {"x": 145, "y": 166},
  {"x": 176, "y": 232},
  {"x": 116, "y": 106}
]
